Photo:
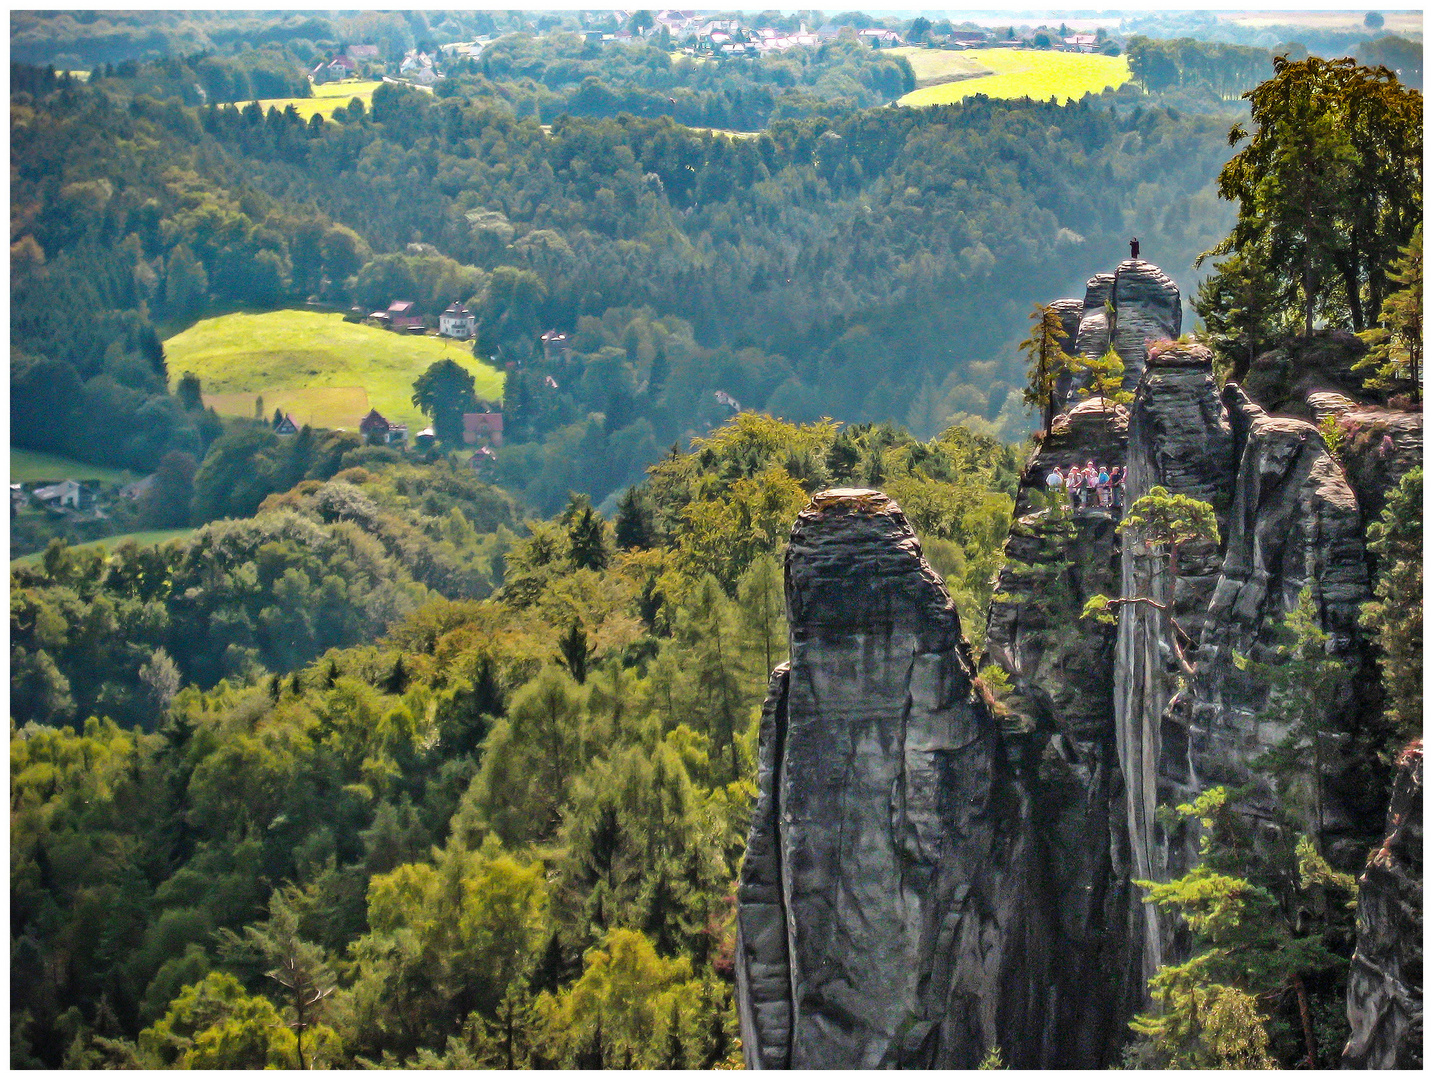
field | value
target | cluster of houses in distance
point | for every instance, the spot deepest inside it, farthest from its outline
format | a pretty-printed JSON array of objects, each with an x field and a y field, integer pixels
[{"x": 700, "y": 35}]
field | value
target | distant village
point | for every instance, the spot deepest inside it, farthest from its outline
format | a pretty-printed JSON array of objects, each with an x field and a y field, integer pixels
[{"x": 697, "y": 35}]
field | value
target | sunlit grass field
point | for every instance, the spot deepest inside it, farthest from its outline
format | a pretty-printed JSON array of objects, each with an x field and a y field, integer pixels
[
  {"x": 1014, "y": 73},
  {"x": 319, "y": 406},
  {"x": 30, "y": 467},
  {"x": 325, "y": 371},
  {"x": 941, "y": 65},
  {"x": 152, "y": 538},
  {"x": 326, "y": 98}
]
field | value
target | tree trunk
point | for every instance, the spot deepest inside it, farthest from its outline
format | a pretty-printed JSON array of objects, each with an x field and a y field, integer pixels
[{"x": 1302, "y": 995}]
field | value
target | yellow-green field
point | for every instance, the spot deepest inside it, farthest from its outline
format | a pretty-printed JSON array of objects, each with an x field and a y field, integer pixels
[
  {"x": 30, "y": 467},
  {"x": 325, "y": 371},
  {"x": 1013, "y": 73},
  {"x": 153, "y": 538},
  {"x": 933, "y": 66},
  {"x": 326, "y": 98},
  {"x": 320, "y": 406}
]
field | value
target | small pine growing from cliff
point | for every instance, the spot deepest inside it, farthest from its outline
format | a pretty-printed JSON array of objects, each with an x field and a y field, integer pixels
[{"x": 1271, "y": 928}]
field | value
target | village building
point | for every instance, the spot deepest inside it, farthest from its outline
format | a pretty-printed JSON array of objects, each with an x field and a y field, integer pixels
[
  {"x": 556, "y": 345},
  {"x": 362, "y": 52},
  {"x": 879, "y": 39},
  {"x": 66, "y": 495},
  {"x": 285, "y": 425},
  {"x": 482, "y": 458},
  {"x": 1081, "y": 43},
  {"x": 479, "y": 426},
  {"x": 456, "y": 321},
  {"x": 377, "y": 430},
  {"x": 401, "y": 315},
  {"x": 425, "y": 439},
  {"x": 967, "y": 39}
]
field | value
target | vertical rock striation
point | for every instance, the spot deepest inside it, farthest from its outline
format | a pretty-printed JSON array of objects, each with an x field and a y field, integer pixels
[
  {"x": 930, "y": 874},
  {"x": 879, "y": 869},
  {"x": 1146, "y": 308},
  {"x": 1061, "y": 671},
  {"x": 1385, "y": 985},
  {"x": 1094, "y": 334},
  {"x": 1179, "y": 439},
  {"x": 1294, "y": 524}
]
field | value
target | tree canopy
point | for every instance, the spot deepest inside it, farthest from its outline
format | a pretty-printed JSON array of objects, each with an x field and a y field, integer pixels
[{"x": 1329, "y": 184}]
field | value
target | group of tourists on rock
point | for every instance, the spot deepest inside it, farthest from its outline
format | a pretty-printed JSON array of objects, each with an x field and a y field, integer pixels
[{"x": 1090, "y": 487}]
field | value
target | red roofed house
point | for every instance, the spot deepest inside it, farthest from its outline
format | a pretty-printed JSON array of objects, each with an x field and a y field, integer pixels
[
  {"x": 400, "y": 315},
  {"x": 342, "y": 65},
  {"x": 483, "y": 425}
]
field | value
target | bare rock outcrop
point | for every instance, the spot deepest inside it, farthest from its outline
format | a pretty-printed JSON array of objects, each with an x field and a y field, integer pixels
[
  {"x": 1093, "y": 337},
  {"x": 1146, "y": 308},
  {"x": 1385, "y": 985},
  {"x": 1061, "y": 672},
  {"x": 882, "y": 874},
  {"x": 1282, "y": 379},
  {"x": 931, "y": 873},
  {"x": 1128, "y": 309},
  {"x": 1379, "y": 446}
]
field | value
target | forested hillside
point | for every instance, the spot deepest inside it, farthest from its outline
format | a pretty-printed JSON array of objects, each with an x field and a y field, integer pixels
[
  {"x": 505, "y": 830},
  {"x": 872, "y": 266},
  {"x": 415, "y": 757}
]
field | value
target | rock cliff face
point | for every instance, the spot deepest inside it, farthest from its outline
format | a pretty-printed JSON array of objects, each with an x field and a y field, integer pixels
[
  {"x": 1385, "y": 986},
  {"x": 1135, "y": 305},
  {"x": 930, "y": 874},
  {"x": 1093, "y": 337},
  {"x": 1180, "y": 439},
  {"x": 878, "y": 909}
]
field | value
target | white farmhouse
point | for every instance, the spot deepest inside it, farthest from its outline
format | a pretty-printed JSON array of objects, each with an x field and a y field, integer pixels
[{"x": 457, "y": 321}]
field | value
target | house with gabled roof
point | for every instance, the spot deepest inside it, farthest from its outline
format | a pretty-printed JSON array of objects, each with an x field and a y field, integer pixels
[
  {"x": 67, "y": 494},
  {"x": 378, "y": 430},
  {"x": 401, "y": 315},
  {"x": 479, "y": 426},
  {"x": 285, "y": 425}
]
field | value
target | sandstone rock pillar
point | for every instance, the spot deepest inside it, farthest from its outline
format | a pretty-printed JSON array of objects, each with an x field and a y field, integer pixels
[{"x": 873, "y": 872}]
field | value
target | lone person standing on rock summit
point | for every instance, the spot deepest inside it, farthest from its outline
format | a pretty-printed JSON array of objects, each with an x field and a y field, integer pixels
[{"x": 1134, "y": 247}]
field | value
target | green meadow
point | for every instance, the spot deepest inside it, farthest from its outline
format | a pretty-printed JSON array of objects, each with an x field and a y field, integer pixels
[
  {"x": 325, "y": 371},
  {"x": 30, "y": 467}
]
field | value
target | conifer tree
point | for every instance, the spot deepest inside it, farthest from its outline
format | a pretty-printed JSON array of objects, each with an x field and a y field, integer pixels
[
  {"x": 1045, "y": 351},
  {"x": 1396, "y": 356},
  {"x": 1168, "y": 521}
]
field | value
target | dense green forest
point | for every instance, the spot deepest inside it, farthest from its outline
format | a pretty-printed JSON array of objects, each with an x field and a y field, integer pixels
[
  {"x": 504, "y": 830},
  {"x": 392, "y": 763},
  {"x": 874, "y": 265}
]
